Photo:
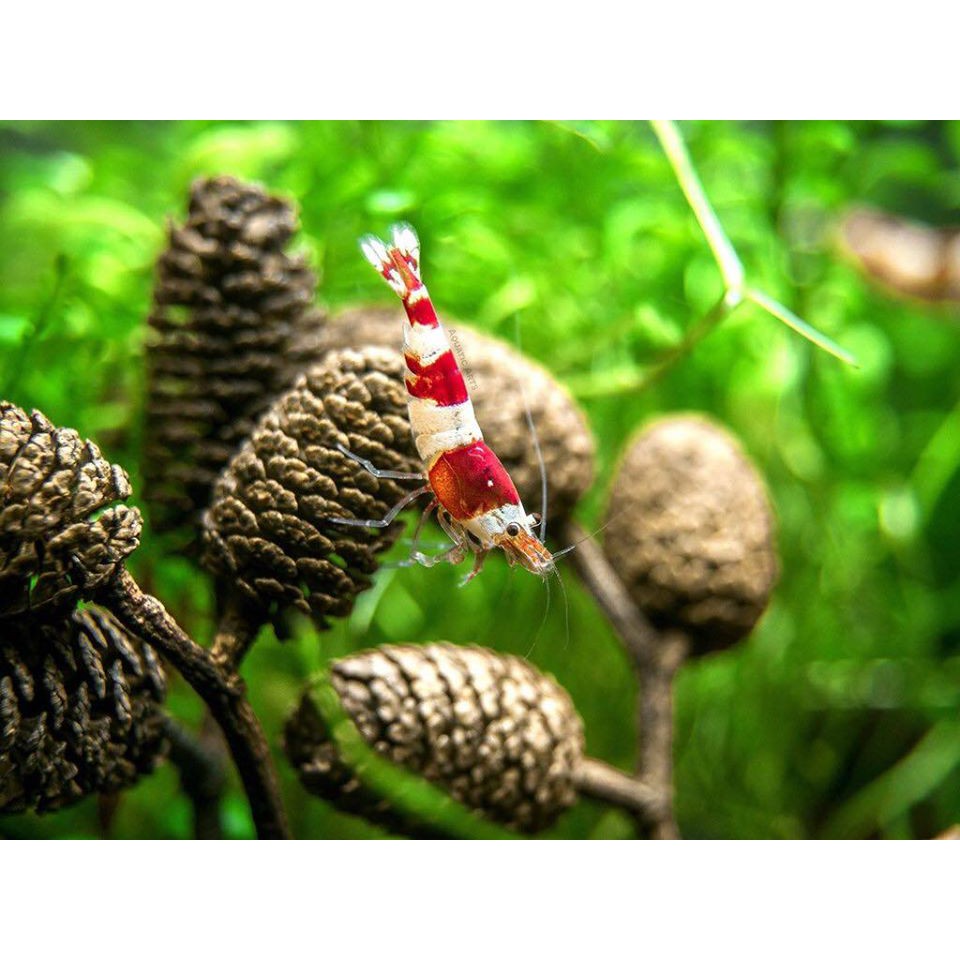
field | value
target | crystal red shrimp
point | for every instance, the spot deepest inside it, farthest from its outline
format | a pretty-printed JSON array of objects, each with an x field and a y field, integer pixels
[{"x": 480, "y": 508}]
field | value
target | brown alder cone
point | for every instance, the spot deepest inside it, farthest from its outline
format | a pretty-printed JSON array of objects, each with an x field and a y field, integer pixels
[
  {"x": 500, "y": 382},
  {"x": 690, "y": 531},
  {"x": 909, "y": 258},
  {"x": 62, "y": 531},
  {"x": 267, "y": 532},
  {"x": 499, "y": 736},
  {"x": 228, "y": 305},
  {"x": 79, "y": 709}
]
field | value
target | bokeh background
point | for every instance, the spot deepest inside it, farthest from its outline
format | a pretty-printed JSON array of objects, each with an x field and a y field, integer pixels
[{"x": 838, "y": 716}]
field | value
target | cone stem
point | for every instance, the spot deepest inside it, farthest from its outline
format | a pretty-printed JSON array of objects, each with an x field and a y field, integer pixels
[
  {"x": 236, "y": 631},
  {"x": 599, "y": 780},
  {"x": 222, "y": 691},
  {"x": 640, "y": 637},
  {"x": 201, "y": 762},
  {"x": 656, "y": 657},
  {"x": 655, "y": 727}
]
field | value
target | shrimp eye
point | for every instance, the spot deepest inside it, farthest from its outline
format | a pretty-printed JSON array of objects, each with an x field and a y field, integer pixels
[{"x": 513, "y": 529}]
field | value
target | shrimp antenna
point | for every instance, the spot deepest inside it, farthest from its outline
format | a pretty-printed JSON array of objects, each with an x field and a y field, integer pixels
[
  {"x": 543, "y": 621},
  {"x": 542, "y": 533},
  {"x": 566, "y": 608},
  {"x": 588, "y": 536}
]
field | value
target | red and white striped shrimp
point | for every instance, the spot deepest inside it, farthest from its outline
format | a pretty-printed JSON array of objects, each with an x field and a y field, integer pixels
[{"x": 479, "y": 507}]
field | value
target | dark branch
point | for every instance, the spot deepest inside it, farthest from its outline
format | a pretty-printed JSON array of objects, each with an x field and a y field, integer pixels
[{"x": 222, "y": 691}]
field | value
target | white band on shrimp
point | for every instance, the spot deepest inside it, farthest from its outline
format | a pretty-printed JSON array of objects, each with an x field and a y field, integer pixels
[
  {"x": 428, "y": 417},
  {"x": 424, "y": 343},
  {"x": 432, "y": 446}
]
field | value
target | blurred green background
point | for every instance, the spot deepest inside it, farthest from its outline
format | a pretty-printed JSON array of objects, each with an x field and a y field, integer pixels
[{"x": 839, "y": 715}]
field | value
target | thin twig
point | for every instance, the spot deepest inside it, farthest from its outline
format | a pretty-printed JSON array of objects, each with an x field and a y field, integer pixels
[
  {"x": 704, "y": 326},
  {"x": 728, "y": 261},
  {"x": 223, "y": 692},
  {"x": 735, "y": 286},
  {"x": 786, "y": 316},
  {"x": 633, "y": 380},
  {"x": 723, "y": 252}
]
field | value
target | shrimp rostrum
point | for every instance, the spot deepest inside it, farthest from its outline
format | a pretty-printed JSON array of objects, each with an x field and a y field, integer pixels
[{"x": 476, "y": 500}]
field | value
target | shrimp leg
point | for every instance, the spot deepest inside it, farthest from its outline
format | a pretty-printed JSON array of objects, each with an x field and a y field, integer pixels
[
  {"x": 376, "y": 471},
  {"x": 431, "y": 506},
  {"x": 480, "y": 556},
  {"x": 389, "y": 517},
  {"x": 454, "y": 555}
]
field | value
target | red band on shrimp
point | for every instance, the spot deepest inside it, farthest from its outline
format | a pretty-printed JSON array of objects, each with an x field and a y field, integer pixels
[
  {"x": 421, "y": 312},
  {"x": 441, "y": 380},
  {"x": 471, "y": 480}
]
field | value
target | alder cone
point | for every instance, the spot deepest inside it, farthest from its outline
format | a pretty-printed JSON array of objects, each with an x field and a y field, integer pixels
[
  {"x": 690, "y": 531},
  {"x": 79, "y": 709},
  {"x": 910, "y": 259},
  {"x": 62, "y": 531},
  {"x": 268, "y": 534},
  {"x": 498, "y": 735},
  {"x": 501, "y": 382},
  {"x": 229, "y": 304}
]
